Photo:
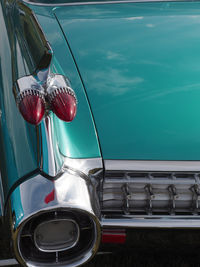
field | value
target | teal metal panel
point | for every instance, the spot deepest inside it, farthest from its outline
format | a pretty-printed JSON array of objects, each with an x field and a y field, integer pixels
[{"x": 140, "y": 66}]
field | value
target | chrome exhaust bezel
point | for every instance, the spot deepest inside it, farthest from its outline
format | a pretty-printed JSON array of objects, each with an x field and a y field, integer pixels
[
  {"x": 75, "y": 191},
  {"x": 77, "y": 261}
]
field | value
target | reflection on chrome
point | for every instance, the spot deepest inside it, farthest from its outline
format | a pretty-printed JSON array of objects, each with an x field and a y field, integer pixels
[
  {"x": 88, "y": 167},
  {"x": 27, "y": 83}
]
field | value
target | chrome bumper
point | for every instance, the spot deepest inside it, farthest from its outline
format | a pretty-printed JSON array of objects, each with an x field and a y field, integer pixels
[{"x": 157, "y": 222}]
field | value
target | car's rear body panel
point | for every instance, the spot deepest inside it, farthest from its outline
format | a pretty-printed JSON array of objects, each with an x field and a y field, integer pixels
[{"x": 140, "y": 66}]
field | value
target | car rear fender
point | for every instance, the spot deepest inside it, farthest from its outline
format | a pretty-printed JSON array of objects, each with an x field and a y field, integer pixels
[{"x": 28, "y": 150}]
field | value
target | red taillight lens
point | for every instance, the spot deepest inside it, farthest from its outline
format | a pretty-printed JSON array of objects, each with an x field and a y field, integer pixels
[
  {"x": 32, "y": 106},
  {"x": 63, "y": 103}
]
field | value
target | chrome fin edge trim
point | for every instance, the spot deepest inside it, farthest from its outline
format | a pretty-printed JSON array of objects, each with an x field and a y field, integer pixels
[{"x": 100, "y": 2}]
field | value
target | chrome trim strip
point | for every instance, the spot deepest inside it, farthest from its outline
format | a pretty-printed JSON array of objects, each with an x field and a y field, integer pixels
[
  {"x": 147, "y": 165},
  {"x": 8, "y": 262},
  {"x": 101, "y": 2},
  {"x": 87, "y": 167},
  {"x": 153, "y": 222}
]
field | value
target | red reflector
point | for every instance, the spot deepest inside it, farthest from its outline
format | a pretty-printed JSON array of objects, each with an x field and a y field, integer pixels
[
  {"x": 114, "y": 236},
  {"x": 63, "y": 104},
  {"x": 32, "y": 107},
  {"x": 50, "y": 197}
]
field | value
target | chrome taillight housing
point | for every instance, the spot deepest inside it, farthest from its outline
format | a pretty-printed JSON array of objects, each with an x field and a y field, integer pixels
[
  {"x": 63, "y": 103},
  {"x": 31, "y": 105},
  {"x": 34, "y": 98}
]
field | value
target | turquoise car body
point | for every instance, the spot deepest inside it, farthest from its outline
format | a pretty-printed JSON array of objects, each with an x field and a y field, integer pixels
[
  {"x": 142, "y": 98},
  {"x": 134, "y": 67}
]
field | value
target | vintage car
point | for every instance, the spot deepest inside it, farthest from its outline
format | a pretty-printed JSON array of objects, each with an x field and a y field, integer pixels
[{"x": 99, "y": 123}]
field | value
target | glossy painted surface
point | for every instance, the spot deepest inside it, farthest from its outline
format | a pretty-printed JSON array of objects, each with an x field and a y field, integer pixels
[{"x": 140, "y": 65}]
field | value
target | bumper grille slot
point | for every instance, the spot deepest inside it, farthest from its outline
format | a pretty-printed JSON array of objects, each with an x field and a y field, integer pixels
[{"x": 151, "y": 193}]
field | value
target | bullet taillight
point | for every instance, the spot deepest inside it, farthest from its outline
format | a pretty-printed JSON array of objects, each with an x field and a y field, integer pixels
[
  {"x": 63, "y": 103},
  {"x": 31, "y": 104}
]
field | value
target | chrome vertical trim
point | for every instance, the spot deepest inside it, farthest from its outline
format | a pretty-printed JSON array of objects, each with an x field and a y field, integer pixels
[{"x": 51, "y": 161}]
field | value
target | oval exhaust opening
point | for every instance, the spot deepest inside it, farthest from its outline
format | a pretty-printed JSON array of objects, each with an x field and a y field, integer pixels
[{"x": 56, "y": 235}]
